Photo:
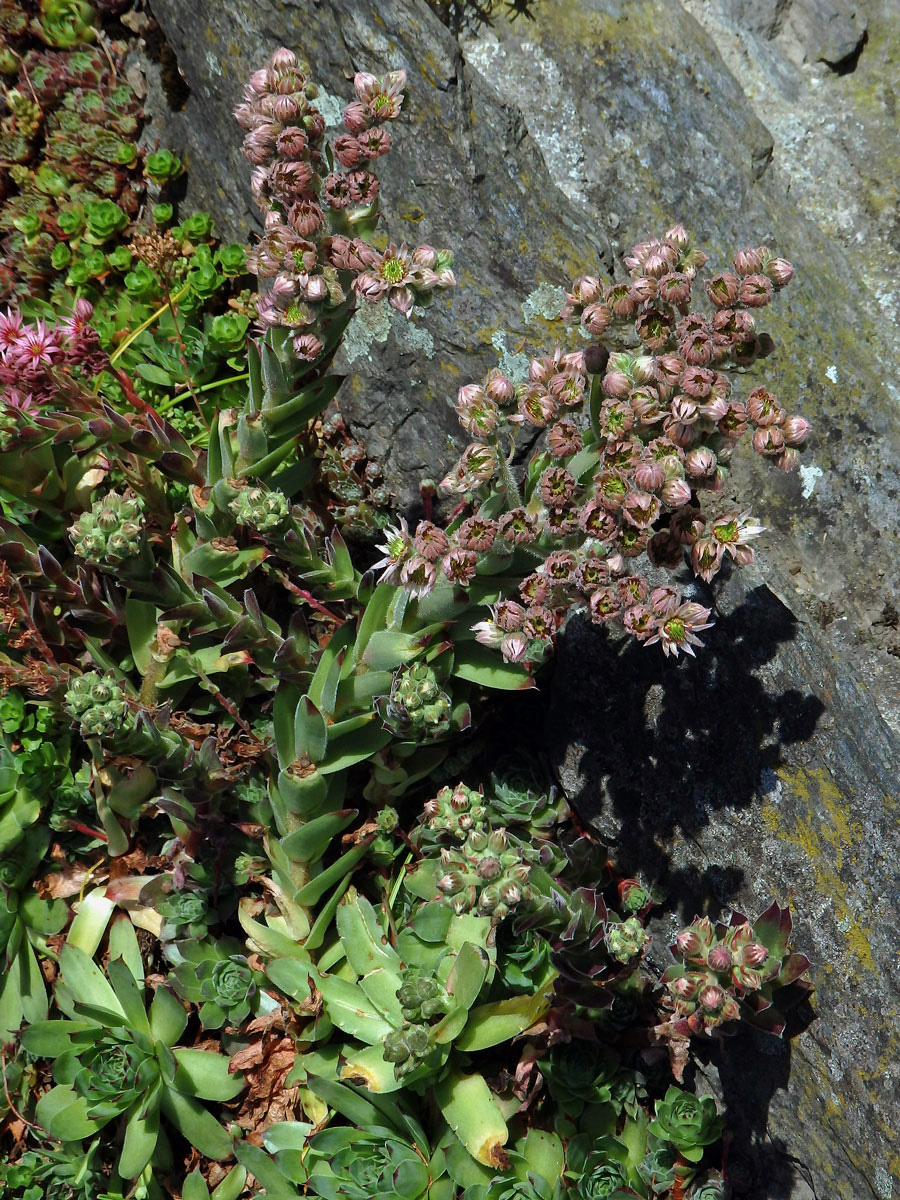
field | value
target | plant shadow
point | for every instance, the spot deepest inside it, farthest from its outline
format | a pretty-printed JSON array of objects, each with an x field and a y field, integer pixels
[{"x": 650, "y": 752}]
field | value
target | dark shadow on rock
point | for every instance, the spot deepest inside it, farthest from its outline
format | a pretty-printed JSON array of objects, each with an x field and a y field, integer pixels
[
  {"x": 647, "y": 748},
  {"x": 751, "y": 1066}
]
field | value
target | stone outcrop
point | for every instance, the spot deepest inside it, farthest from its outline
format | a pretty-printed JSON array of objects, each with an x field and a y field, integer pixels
[{"x": 536, "y": 150}]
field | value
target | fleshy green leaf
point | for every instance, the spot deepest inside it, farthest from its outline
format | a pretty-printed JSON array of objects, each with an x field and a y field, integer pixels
[{"x": 204, "y": 1074}]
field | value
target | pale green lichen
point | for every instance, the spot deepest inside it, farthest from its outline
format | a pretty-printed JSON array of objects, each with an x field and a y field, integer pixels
[
  {"x": 512, "y": 363},
  {"x": 371, "y": 323},
  {"x": 545, "y": 301}
]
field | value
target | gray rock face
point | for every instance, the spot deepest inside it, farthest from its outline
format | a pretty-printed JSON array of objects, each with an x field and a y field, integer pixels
[{"x": 541, "y": 149}]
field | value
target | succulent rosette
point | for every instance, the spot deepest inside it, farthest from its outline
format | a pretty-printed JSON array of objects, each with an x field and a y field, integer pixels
[
  {"x": 355, "y": 1164},
  {"x": 218, "y": 979},
  {"x": 688, "y": 1122},
  {"x": 579, "y": 1074}
]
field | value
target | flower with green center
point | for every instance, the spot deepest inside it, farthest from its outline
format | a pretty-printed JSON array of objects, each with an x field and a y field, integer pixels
[
  {"x": 393, "y": 270},
  {"x": 688, "y": 1122}
]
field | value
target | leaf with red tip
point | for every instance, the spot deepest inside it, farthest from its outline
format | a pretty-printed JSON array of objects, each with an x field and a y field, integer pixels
[{"x": 794, "y": 966}]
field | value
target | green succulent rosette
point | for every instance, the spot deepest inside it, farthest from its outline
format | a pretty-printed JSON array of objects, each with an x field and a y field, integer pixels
[
  {"x": 579, "y": 1074},
  {"x": 354, "y": 1164},
  {"x": 688, "y": 1122}
]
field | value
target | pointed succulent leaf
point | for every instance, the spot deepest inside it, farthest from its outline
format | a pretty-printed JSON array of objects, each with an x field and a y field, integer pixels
[
  {"x": 204, "y": 1074},
  {"x": 167, "y": 1017},
  {"x": 64, "y": 1114},
  {"x": 196, "y": 1124},
  {"x": 362, "y": 936},
  {"x": 141, "y": 1134},
  {"x": 311, "y": 840}
]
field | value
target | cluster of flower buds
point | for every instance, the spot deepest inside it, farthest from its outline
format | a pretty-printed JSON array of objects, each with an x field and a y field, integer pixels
[
  {"x": 626, "y": 939},
  {"x": 417, "y": 708},
  {"x": 486, "y": 875},
  {"x": 422, "y": 997},
  {"x": 455, "y": 812},
  {"x": 720, "y": 966},
  {"x": 662, "y": 429},
  {"x": 406, "y": 1048},
  {"x": 112, "y": 532},
  {"x": 31, "y": 353},
  {"x": 260, "y": 509},
  {"x": 96, "y": 702},
  {"x": 317, "y": 220}
]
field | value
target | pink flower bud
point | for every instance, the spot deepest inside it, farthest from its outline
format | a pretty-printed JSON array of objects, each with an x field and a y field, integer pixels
[
  {"x": 697, "y": 382},
  {"x": 348, "y": 150},
  {"x": 714, "y": 409},
  {"x": 644, "y": 289},
  {"x": 674, "y": 289},
  {"x": 292, "y": 142},
  {"x": 675, "y": 493},
  {"x": 689, "y": 943},
  {"x": 755, "y": 291},
  {"x": 700, "y": 462},
  {"x": 678, "y": 237},
  {"x": 719, "y": 959},
  {"x": 730, "y": 1010},
  {"x": 723, "y": 289},
  {"x": 685, "y": 987},
  {"x": 768, "y": 440},
  {"x": 541, "y": 370},
  {"x": 616, "y": 384},
  {"x": 753, "y": 955},
  {"x": 649, "y": 475},
  {"x": 685, "y": 410},
  {"x": 748, "y": 262},
  {"x": 780, "y": 271},
  {"x": 596, "y": 318},
  {"x": 587, "y": 289},
  {"x": 499, "y": 388},
  {"x": 712, "y": 998},
  {"x": 796, "y": 430},
  {"x": 285, "y": 109},
  {"x": 424, "y": 255},
  {"x": 788, "y": 460},
  {"x": 282, "y": 59},
  {"x": 357, "y": 117},
  {"x": 514, "y": 647}
]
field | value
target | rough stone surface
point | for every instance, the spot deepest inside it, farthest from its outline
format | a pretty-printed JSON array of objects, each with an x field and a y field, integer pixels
[
  {"x": 761, "y": 770},
  {"x": 538, "y": 150}
]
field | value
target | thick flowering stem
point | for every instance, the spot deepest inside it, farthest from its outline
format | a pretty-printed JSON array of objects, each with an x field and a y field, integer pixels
[{"x": 513, "y": 495}]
